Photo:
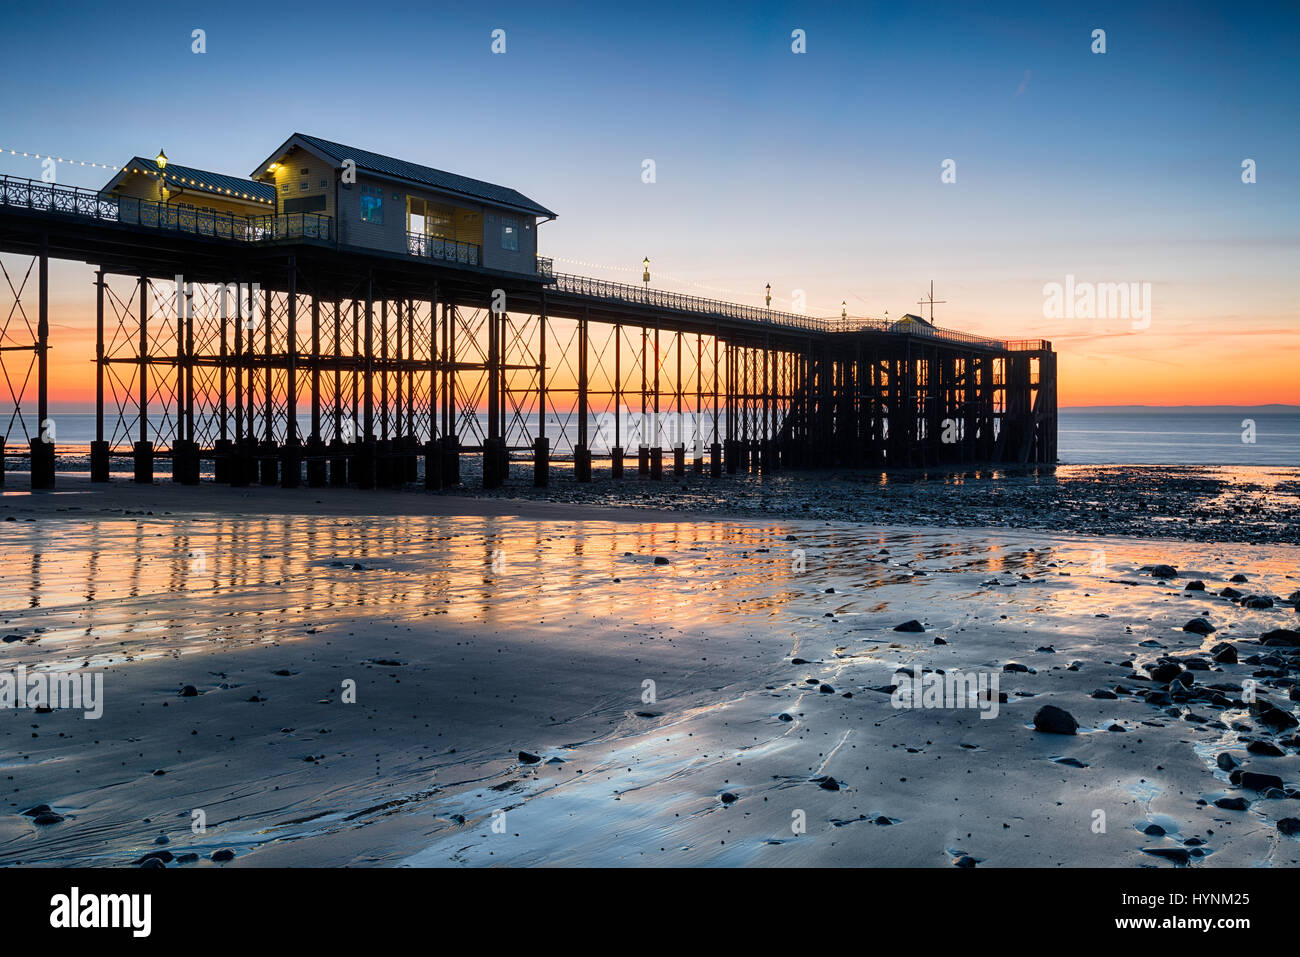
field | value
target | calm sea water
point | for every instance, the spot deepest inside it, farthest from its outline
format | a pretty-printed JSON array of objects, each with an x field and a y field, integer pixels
[
  {"x": 1176, "y": 437},
  {"x": 1147, "y": 437}
]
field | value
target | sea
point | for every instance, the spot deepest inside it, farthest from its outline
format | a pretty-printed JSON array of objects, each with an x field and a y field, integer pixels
[{"x": 1259, "y": 436}]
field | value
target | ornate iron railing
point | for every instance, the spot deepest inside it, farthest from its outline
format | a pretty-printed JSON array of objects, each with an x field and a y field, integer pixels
[
  {"x": 447, "y": 250},
  {"x": 545, "y": 268},
  {"x": 41, "y": 197}
]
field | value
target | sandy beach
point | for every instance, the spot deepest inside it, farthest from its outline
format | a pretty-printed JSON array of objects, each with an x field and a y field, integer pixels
[{"x": 333, "y": 677}]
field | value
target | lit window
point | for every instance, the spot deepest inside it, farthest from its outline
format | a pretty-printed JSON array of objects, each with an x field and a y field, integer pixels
[
  {"x": 509, "y": 234},
  {"x": 372, "y": 205}
]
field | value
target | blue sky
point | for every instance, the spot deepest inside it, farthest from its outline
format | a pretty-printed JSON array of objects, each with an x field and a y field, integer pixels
[{"x": 817, "y": 171}]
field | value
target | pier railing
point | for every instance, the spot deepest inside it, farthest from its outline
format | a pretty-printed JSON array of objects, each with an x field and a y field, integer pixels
[
  {"x": 680, "y": 302},
  {"x": 41, "y": 197},
  {"x": 443, "y": 250}
]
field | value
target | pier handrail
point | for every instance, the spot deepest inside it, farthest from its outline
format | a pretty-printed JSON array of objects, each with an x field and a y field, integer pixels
[
  {"x": 41, "y": 197},
  {"x": 608, "y": 291},
  {"x": 438, "y": 247},
  {"x": 680, "y": 302}
]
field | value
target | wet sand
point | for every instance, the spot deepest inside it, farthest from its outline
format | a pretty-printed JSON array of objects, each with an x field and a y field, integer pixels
[
  {"x": 1195, "y": 503},
  {"x": 477, "y": 629}
]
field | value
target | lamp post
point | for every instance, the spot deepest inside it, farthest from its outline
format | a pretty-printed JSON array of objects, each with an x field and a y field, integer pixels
[
  {"x": 163, "y": 192},
  {"x": 645, "y": 272},
  {"x": 844, "y": 311},
  {"x": 767, "y": 295}
]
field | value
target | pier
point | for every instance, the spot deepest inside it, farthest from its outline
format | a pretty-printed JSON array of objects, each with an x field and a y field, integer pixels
[{"x": 279, "y": 353}]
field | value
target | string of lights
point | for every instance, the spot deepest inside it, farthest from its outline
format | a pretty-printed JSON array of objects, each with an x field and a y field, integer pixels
[
  {"x": 58, "y": 159},
  {"x": 158, "y": 171},
  {"x": 176, "y": 179}
]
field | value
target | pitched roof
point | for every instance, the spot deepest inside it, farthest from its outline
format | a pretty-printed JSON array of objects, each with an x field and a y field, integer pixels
[
  {"x": 188, "y": 177},
  {"x": 381, "y": 165}
]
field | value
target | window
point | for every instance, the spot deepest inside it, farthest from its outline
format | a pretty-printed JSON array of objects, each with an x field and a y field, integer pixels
[
  {"x": 324, "y": 183},
  {"x": 509, "y": 234},
  {"x": 305, "y": 204},
  {"x": 303, "y": 187},
  {"x": 372, "y": 205}
]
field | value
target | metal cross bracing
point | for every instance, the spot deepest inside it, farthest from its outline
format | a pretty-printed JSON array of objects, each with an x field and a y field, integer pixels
[
  {"x": 297, "y": 364},
  {"x": 21, "y": 347}
]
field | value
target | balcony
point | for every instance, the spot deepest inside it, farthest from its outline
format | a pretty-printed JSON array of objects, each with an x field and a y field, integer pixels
[
  {"x": 445, "y": 250},
  {"x": 40, "y": 197}
]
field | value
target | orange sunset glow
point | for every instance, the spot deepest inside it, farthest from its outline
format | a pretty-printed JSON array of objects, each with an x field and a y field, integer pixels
[{"x": 1191, "y": 360}]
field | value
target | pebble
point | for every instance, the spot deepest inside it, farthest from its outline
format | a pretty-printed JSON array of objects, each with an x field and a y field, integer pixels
[
  {"x": 1054, "y": 720},
  {"x": 1232, "y": 804}
]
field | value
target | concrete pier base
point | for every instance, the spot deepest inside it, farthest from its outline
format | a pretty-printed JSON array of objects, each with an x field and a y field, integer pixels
[
  {"x": 432, "y": 465},
  {"x": 142, "y": 453},
  {"x": 241, "y": 464},
  {"x": 42, "y": 459},
  {"x": 338, "y": 464},
  {"x": 450, "y": 461},
  {"x": 99, "y": 461},
  {"x": 363, "y": 464},
  {"x": 492, "y": 474},
  {"x": 268, "y": 463},
  {"x": 221, "y": 449},
  {"x": 541, "y": 463},
  {"x": 317, "y": 468},
  {"x": 291, "y": 465},
  {"x": 185, "y": 462},
  {"x": 383, "y": 463}
]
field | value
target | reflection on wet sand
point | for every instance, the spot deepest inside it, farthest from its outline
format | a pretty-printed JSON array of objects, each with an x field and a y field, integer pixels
[
  {"x": 104, "y": 591},
  {"x": 476, "y": 636}
]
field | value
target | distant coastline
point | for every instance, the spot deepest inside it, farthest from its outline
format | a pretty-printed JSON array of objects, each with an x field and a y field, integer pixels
[{"x": 1271, "y": 407}]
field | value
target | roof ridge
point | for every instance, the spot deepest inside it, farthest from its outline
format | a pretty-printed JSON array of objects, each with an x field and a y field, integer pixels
[{"x": 384, "y": 165}]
